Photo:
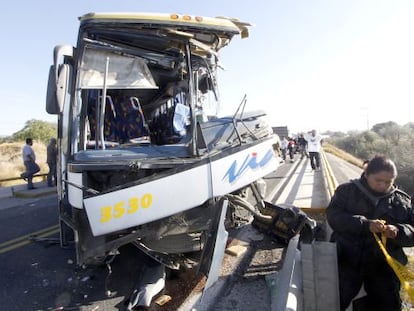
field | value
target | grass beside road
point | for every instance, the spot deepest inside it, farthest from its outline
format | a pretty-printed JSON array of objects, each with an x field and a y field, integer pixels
[{"x": 342, "y": 154}]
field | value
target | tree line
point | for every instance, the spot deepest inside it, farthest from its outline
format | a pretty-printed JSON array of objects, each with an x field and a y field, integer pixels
[
  {"x": 390, "y": 139},
  {"x": 40, "y": 131}
]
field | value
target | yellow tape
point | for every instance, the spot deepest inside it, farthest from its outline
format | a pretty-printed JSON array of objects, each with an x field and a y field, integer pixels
[{"x": 402, "y": 272}]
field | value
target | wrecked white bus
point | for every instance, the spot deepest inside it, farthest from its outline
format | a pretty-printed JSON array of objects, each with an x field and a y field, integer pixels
[{"x": 143, "y": 157}]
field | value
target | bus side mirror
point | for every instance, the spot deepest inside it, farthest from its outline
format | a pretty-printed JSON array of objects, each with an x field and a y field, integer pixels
[
  {"x": 57, "y": 88},
  {"x": 59, "y": 78}
]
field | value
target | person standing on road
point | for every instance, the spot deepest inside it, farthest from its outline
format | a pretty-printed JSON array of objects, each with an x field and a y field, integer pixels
[
  {"x": 302, "y": 143},
  {"x": 283, "y": 147},
  {"x": 368, "y": 205},
  {"x": 51, "y": 162},
  {"x": 291, "y": 148},
  {"x": 314, "y": 141},
  {"x": 29, "y": 160}
]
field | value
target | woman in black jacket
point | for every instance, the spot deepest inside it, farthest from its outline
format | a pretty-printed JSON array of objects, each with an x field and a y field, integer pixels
[{"x": 359, "y": 208}]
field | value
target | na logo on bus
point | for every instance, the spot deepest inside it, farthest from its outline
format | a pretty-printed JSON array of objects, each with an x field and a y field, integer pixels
[{"x": 251, "y": 161}]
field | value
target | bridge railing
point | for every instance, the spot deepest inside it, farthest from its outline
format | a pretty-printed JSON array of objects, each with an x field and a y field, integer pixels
[{"x": 42, "y": 176}]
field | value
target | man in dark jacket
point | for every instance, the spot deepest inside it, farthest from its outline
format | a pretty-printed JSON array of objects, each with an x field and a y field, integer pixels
[
  {"x": 358, "y": 209},
  {"x": 302, "y": 143},
  {"x": 51, "y": 162}
]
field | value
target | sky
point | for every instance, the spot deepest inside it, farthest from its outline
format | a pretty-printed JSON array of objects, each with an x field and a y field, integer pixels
[{"x": 339, "y": 65}]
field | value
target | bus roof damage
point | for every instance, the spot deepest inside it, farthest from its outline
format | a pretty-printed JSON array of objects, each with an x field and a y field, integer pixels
[{"x": 143, "y": 157}]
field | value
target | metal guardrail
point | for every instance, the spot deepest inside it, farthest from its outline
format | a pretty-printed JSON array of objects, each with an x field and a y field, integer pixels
[
  {"x": 286, "y": 294},
  {"x": 43, "y": 176}
]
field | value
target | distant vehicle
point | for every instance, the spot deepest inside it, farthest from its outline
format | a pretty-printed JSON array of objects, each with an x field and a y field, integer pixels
[{"x": 143, "y": 157}]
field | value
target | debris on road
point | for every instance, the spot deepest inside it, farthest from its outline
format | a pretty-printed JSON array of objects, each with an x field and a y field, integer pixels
[{"x": 236, "y": 250}]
